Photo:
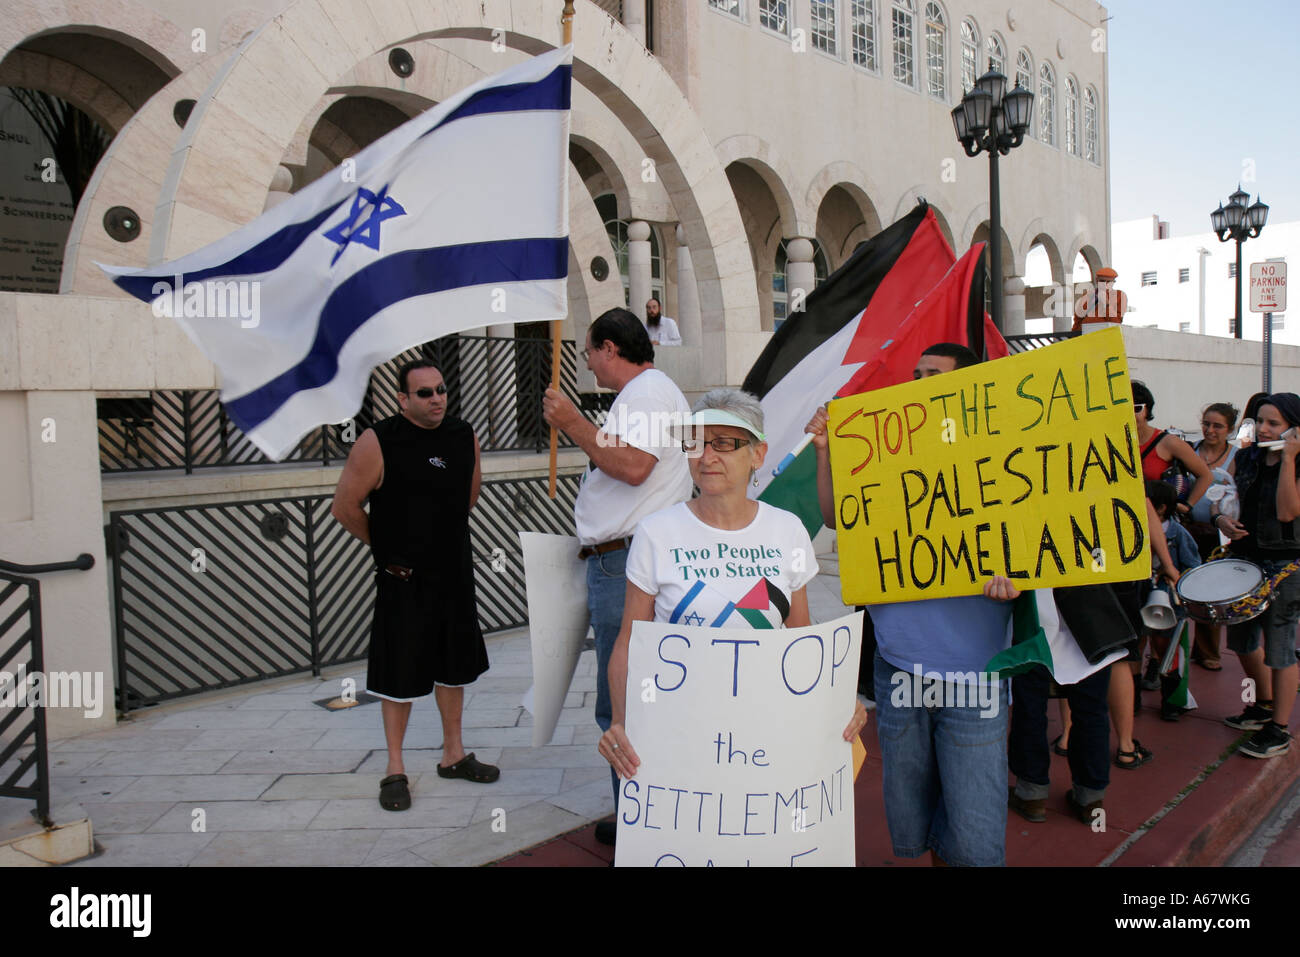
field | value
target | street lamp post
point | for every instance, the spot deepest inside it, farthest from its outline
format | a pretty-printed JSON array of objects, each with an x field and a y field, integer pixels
[
  {"x": 989, "y": 119},
  {"x": 1239, "y": 222}
]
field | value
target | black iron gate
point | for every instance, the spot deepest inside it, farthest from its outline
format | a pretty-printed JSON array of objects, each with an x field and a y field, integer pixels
[
  {"x": 24, "y": 758},
  {"x": 211, "y": 596}
]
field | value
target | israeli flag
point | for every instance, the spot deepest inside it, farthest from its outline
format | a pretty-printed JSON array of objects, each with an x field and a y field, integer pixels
[{"x": 456, "y": 219}]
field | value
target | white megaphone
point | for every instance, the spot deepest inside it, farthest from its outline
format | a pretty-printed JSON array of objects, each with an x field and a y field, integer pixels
[{"x": 1158, "y": 612}]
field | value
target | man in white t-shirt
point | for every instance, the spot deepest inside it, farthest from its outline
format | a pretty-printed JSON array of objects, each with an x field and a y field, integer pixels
[
  {"x": 663, "y": 331},
  {"x": 636, "y": 468}
]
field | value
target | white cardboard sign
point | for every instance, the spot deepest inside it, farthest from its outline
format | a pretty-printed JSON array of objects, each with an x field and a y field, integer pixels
[
  {"x": 556, "y": 582},
  {"x": 740, "y": 736}
]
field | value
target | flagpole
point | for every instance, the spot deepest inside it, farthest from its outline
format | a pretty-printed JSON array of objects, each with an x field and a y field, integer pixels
[{"x": 566, "y": 37}]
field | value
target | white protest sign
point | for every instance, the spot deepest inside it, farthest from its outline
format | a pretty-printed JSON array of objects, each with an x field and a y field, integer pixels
[
  {"x": 556, "y": 582},
  {"x": 740, "y": 736}
]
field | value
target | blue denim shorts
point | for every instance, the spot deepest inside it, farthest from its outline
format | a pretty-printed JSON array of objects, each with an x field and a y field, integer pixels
[
  {"x": 945, "y": 773},
  {"x": 1277, "y": 625}
]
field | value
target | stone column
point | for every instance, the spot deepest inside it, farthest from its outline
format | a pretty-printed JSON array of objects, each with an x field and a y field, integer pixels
[
  {"x": 638, "y": 267},
  {"x": 281, "y": 188},
  {"x": 1013, "y": 306},
  {"x": 800, "y": 274},
  {"x": 689, "y": 321},
  {"x": 634, "y": 18}
]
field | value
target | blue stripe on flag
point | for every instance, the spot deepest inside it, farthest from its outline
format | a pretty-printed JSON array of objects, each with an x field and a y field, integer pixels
[
  {"x": 726, "y": 613},
  {"x": 685, "y": 602},
  {"x": 403, "y": 275},
  {"x": 265, "y": 256},
  {"x": 552, "y": 92}
]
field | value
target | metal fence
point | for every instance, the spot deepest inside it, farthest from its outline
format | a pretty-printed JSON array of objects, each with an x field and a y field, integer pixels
[
  {"x": 24, "y": 758},
  {"x": 1017, "y": 344},
  {"x": 211, "y": 596},
  {"x": 494, "y": 383}
]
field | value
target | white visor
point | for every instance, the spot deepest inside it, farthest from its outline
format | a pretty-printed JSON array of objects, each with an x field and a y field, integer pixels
[{"x": 721, "y": 417}]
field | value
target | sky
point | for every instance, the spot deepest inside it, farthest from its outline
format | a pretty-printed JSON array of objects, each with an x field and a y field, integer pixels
[{"x": 1202, "y": 95}]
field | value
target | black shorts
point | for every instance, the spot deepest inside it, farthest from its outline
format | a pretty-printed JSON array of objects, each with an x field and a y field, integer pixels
[{"x": 424, "y": 633}]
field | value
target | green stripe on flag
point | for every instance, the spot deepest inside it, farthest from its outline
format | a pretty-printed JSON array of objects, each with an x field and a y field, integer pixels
[
  {"x": 795, "y": 490},
  {"x": 1029, "y": 644},
  {"x": 755, "y": 617}
]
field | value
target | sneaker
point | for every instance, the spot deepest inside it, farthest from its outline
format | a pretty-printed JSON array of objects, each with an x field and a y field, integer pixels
[
  {"x": 1252, "y": 719},
  {"x": 1269, "y": 741},
  {"x": 1034, "y": 811},
  {"x": 1151, "y": 677}
]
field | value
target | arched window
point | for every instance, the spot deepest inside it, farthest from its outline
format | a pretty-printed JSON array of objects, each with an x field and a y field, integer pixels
[
  {"x": 936, "y": 65},
  {"x": 904, "y": 32},
  {"x": 780, "y": 295},
  {"x": 1025, "y": 77},
  {"x": 1072, "y": 116},
  {"x": 616, "y": 228},
  {"x": 1046, "y": 104},
  {"x": 1090, "y": 125},
  {"x": 863, "y": 28},
  {"x": 970, "y": 55},
  {"x": 997, "y": 55}
]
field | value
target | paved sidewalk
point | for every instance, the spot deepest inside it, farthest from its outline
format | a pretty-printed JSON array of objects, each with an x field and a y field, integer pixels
[
  {"x": 279, "y": 780},
  {"x": 265, "y": 776}
]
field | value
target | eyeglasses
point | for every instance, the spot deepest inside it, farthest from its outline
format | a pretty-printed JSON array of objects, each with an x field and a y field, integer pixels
[
  {"x": 723, "y": 443},
  {"x": 427, "y": 393},
  {"x": 1212, "y": 425},
  {"x": 1139, "y": 407}
]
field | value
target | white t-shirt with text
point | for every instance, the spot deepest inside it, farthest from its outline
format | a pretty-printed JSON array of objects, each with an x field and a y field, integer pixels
[{"x": 708, "y": 576}]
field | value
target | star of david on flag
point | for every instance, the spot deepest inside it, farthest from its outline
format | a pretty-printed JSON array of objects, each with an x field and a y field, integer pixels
[
  {"x": 456, "y": 219},
  {"x": 354, "y": 229}
]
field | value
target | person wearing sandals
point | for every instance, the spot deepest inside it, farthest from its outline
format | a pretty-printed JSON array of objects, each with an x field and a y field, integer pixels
[
  {"x": 726, "y": 447},
  {"x": 1268, "y": 534},
  {"x": 420, "y": 471},
  {"x": 1217, "y": 422}
]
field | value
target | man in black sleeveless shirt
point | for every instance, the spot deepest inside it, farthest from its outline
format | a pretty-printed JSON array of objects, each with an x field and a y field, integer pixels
[{"x": 420, "y": 471}]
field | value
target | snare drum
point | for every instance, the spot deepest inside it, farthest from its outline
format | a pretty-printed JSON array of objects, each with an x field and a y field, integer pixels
[{"x": 1223, "y": 592}]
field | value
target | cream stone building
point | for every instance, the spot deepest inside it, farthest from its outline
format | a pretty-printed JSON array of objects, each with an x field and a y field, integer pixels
[{"x": 724, "y": 153}]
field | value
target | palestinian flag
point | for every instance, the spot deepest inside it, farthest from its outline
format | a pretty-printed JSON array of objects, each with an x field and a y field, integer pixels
[
  {"x": 863, "y": 329},
  {"x": 1173, "y": 670},
  {"x": 1039, "y": 636}
]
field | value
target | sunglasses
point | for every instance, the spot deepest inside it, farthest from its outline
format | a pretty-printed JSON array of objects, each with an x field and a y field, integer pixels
[
  {"x": 1139, "y": 407},
  {"x": 723, "y": 443},
  {"x": 427, "y": 393}
]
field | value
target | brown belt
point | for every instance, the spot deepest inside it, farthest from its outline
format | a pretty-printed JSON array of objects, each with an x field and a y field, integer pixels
[{"x": 619, "y": 543}]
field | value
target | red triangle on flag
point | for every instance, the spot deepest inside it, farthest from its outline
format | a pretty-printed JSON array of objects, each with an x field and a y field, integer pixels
[
  {"x": 939, "y": 317},
  {"x": 756, "y": 597},
  {"x": 923, "y": 263}
]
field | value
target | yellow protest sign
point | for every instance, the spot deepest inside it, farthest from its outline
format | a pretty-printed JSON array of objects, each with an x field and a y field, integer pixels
[{"x": 1027, "y": 467}]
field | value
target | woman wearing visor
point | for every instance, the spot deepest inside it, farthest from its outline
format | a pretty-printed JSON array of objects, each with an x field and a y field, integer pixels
[{"x": 762, "y": 555}]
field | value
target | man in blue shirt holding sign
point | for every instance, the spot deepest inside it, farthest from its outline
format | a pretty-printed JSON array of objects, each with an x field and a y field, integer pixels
[{"x": 943, "y": 737}]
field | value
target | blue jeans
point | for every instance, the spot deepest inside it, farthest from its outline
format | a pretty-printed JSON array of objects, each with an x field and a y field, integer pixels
[
  {"x": 945, "y": 772},
  {"x": 1089, "y": 743},
  {"x": 606, "y": 588}
]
